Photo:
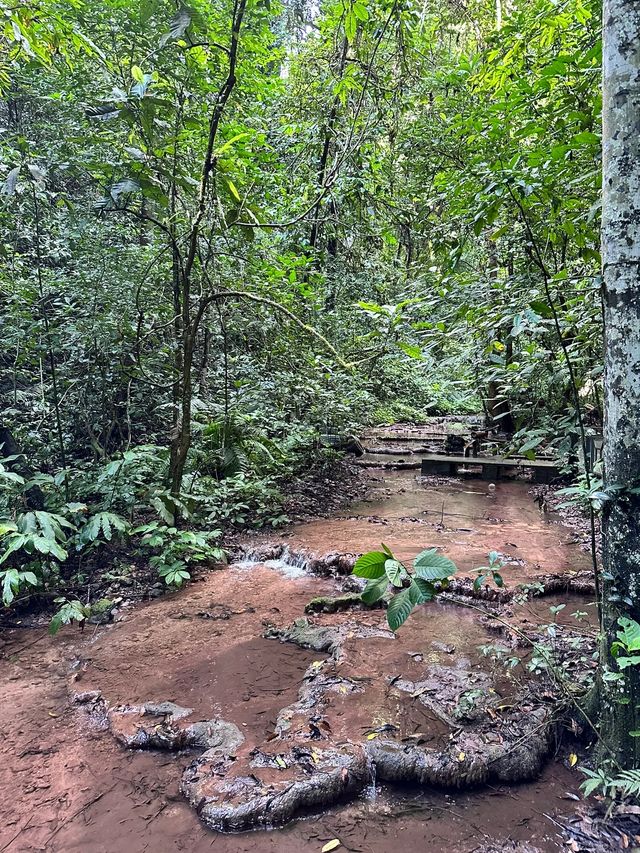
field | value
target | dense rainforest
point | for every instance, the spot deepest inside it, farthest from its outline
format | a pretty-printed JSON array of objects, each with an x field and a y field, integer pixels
[{"x": 241, "y": 238}]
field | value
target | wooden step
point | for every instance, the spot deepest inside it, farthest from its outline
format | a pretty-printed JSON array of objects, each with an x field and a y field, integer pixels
[{"x": 492, "y": 466}]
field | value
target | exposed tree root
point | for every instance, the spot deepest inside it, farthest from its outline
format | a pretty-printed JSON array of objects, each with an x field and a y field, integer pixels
[
  {"x": 514, "y": 754},
  {"x": 272, "y": 786},
  {"x": 475, "y": 737},
  {"x": 162, "y": 725}
]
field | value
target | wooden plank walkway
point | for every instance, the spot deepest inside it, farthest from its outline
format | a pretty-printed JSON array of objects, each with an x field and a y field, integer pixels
[{"x": 544, "y": 470}]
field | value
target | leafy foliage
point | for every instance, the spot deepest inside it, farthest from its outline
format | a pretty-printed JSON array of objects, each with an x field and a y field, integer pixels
[
  {"x": 624, "y": 785},
  {"x": 430, "y": 574}
]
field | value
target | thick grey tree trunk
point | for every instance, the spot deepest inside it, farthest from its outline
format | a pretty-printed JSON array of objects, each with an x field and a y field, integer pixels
[{"x": 620, "y": 706}]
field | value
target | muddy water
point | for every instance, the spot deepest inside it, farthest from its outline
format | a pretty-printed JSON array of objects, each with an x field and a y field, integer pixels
[
  {"x": 65, "y": 785},
  {"x": 464, "y": 518}
]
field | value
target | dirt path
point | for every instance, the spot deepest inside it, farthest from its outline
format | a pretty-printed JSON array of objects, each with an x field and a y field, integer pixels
[{"x": 66, "y": 785}]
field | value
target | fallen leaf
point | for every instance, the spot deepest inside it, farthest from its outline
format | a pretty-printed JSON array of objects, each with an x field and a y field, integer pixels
[
  {"x": 372, "y": 736},
  {"x": 573, "y": 759},
  {"x": 53, "y": 714},
  {"x": 281, "y": 762},
  {"x": 331, "y": 845},
  {"x": 461, "y": 756}
]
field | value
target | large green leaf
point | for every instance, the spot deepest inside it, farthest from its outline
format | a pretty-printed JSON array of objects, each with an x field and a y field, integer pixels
[
  {"x": 426, "y": 589},
  {"x": 374, "y": 590},
  {"x": 401, "y": 605},
  {"x": 431, "y": 566},
  {"x": 395, "y": 571},
  {"x": 370, "y": 565},
  {"x": 15, "y": 542},
  {"x": 629, "y": 636},
  {"x": 9, "y": 584}
]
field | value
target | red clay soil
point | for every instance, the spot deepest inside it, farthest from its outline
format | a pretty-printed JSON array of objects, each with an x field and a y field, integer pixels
[{"x": 66, "y": 785}]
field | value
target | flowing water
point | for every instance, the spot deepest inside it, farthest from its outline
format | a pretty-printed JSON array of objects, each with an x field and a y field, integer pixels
[{"x": 65, "y": 785}]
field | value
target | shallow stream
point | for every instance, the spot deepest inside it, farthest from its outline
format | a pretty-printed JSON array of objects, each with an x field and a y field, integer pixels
[{"x": 66, "y": 785}]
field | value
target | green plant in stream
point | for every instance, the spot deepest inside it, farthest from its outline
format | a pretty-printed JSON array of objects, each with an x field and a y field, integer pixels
[
  {"x": 429, "y": 575},
  {"x": 491, "y": 572}
]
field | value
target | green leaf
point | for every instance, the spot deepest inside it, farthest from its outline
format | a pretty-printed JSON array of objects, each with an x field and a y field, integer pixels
[
  {"x": 11, "y": 182},
  {"x": 55, "y": 624},
  {"x": 624, "y": 662},
  {"x": 541, "y": 308},
  {"x": 370, "y": 565},
  {"x": 233, "y": 190},
  {"x": 395, "y": 571},
  {"x": 230, "y": 142},
  {"x": 629, "y": 636},
  {"x": 102, "y": 112},
  {"x": 36, "y": 173},
  {"x": 106, "y": 525},
  {"x": 401, "y": 605},
  {"x": 16, "y": 542},
  {"x": 374, "y": 590},
  {"x": 9, "y": 583},
  {"x": 46, "y": 521},
  {"x": 427, "y": 590},
  {"x": 370, "y": 307},
  {"x": 124, "y": 187},
  {"x": 350, "y": 26},
  {"x": 360, "y": 11},
  {"x": 412, "y": 350},
  {"x": 177, "y": 27},
  {"x": 431, "y": 566}
]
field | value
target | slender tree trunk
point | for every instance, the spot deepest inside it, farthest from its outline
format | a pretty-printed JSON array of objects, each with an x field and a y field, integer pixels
[
  {"x": 47, "y": 333},
  {"x": 186, "y": 323},
  {"x": 620, "y": 706},
  {"x": 326, "y": 148},
  {"x": 182, "y": 441}
]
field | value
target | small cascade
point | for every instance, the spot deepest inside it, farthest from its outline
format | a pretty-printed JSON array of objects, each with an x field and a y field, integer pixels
[
  {"x": 370, "y": 793},
  {"x": 292, "y": 564}
]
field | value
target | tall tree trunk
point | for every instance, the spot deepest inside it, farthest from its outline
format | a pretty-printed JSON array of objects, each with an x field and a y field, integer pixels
[
  {"x": 182, "y": 439},
  {"x": 326, "y": 148},
  {"x": 620, "y": 707},
  {"x": 186, "y": 323}
]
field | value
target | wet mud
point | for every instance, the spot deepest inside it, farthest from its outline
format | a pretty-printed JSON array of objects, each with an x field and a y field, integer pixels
[{"x": 260, "y": 714}]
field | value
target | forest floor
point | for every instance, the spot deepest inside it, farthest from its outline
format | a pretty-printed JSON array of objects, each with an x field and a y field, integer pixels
[{"x": 66, "y": 784}]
